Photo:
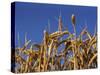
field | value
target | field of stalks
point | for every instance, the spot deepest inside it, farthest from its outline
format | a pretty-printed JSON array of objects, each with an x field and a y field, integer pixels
[{"x": 75, "y": 54}]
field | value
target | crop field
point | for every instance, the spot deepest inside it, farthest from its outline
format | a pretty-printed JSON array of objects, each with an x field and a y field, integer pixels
[{"x": 59, "y": 50}]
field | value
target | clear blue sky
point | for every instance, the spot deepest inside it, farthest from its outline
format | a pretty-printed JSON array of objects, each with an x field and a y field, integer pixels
[{"x": 33, "y": 19}]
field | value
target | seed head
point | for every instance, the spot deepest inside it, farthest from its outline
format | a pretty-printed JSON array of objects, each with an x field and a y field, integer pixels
[{"x": 73, "y": 19}]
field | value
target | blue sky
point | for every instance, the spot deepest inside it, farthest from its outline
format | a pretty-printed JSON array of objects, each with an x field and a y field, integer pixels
[{"x": 32, "y": 18}]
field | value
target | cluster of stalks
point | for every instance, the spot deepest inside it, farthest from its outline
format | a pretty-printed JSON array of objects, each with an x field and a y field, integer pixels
[{"x": 75, "y": 54}]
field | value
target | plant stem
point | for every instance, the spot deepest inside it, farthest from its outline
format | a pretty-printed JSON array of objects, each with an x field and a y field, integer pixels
[{"x": 75, "y": 52}]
